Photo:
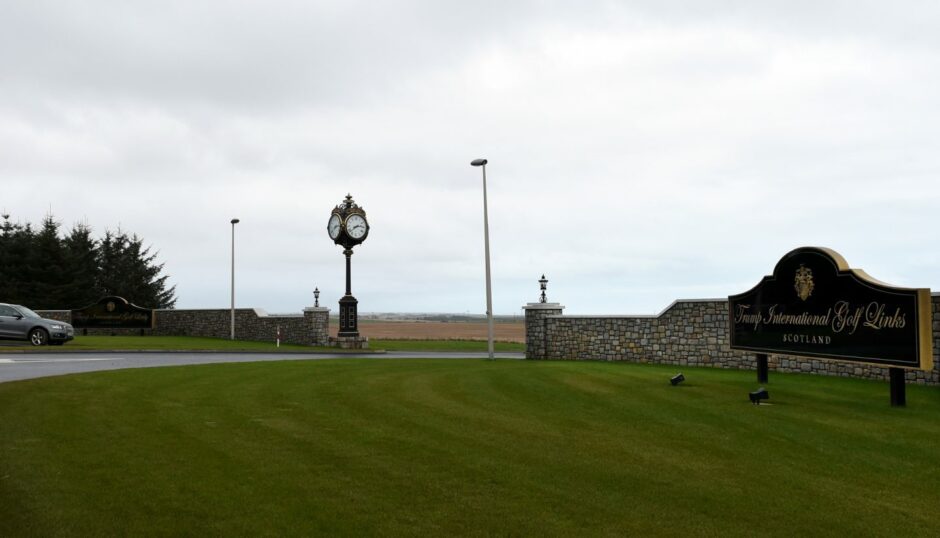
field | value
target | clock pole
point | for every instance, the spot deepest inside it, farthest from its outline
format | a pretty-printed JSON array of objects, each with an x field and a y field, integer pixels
[
  {"x": 348, "y": 252},
  {"x": 348, "y": 227},
  {"x": 348, "y": 305}
]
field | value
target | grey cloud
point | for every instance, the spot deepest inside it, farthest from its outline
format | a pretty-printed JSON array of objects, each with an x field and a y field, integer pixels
[{"x": 627, "y": 142}]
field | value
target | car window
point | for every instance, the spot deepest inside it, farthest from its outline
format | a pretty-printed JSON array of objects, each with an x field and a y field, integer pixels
[
  {"x": 8, "y": 311},
  {"x": 27, "y": 312}
]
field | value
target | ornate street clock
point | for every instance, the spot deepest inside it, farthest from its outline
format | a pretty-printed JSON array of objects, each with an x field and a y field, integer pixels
[{"x": 348, "y": 227}]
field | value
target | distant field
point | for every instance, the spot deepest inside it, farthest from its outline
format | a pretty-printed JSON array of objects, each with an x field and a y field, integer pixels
[
  {"x": 438, "y": 330},
  {"x": 444, "y": 345}
]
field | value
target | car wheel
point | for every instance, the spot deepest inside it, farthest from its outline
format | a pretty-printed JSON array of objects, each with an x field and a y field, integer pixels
[{"x": 38, "y": 337}]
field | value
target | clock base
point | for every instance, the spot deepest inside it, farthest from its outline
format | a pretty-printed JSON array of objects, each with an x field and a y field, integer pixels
[
  {"x": 349, "y": 342},
  {"x": 348, "y": 316}
]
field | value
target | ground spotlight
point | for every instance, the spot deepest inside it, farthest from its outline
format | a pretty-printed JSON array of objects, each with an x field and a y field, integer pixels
[
  {"x": 676, "y": 379},
  {"x": 758, "y": 395}
]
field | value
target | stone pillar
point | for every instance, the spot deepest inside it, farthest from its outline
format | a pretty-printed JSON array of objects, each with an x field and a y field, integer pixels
[
  {"x": 317, "y": 321},
  {"x": 535, "y": 334}
]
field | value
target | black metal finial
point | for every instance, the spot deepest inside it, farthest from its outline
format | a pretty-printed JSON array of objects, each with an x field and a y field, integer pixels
[
  {"x": 316, "y": 297},
  {"x": 543, "y": 285},
  {"x": 347, "y": 204}
]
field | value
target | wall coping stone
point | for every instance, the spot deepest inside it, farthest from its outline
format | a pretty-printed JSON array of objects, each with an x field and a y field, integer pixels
[
  {"x": 316, "y": 309},
  {"x": 645, "y": 316},
  {"x": 260, "y": 312},
  {"x": 543, "y": 306}
]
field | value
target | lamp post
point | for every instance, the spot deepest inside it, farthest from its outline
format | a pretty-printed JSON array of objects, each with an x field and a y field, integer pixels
[
  {"x": 234, "y": 222},
  {"x": 316, "y": 297},
  {"x": 486, "y": 248}
]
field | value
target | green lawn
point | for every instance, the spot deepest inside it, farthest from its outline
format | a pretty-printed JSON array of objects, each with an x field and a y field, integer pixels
[{"x": 444, "y": 447}]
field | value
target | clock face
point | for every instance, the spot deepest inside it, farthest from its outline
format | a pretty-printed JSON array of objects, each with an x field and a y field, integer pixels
[
  {"x": 333, "y": 227},
  {"x": 356, "y": 226}
]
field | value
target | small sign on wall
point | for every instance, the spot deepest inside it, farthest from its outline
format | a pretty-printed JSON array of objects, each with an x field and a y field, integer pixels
[
  {"x": 113, "y": 313},
  {"x": 815, "y": 305}
]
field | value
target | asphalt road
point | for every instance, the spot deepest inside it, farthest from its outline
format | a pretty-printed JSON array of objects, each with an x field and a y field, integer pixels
[{"x": 14, "y": 366}]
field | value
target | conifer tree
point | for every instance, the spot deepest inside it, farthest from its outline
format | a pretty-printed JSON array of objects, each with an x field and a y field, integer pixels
[
  {"x": 15, "y": 244},
  {"x": 82, "y": 256},
  {"x": 129, "y": 270},
  {"x": 48, "y": 268},
  {"x": 46, "y": 271}
]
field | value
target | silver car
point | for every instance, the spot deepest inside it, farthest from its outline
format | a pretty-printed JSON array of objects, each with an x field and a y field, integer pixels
[{"x": 20, "y": 323}]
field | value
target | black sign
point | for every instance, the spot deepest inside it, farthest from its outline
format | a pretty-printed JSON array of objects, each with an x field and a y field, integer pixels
[
  {"x": 112, "y": 312},
  {"x": 815, "y": 305}
]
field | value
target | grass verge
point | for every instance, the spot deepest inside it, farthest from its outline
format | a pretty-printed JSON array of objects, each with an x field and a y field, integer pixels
[
  {"x": 424, "y": 447},
  {"x": 193, "y": 343},
  {"x": 158, "y": 343}
]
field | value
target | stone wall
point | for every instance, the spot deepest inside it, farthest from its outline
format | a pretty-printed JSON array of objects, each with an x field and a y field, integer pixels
[
  {"x": 309, "y": 328},
  {"x": 688, "y": 332},
  {"x": 58, "y": 315}
]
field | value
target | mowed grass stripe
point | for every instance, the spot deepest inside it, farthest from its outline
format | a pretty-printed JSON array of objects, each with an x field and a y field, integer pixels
[{"x": 462, "y": 447}]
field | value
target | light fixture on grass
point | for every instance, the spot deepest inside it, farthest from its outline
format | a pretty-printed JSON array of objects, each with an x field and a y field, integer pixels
[
  {"x": 676, "y": 379},
  {"x": 758, "y": 395}
]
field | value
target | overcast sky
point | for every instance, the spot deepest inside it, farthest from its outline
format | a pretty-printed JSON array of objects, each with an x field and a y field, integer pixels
[{"x": 640, "y": 152}]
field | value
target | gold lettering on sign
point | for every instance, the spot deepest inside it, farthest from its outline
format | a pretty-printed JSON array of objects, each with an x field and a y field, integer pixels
[
  {"x": 741, "y": 315},
  {"x": 778, "y": 318},
  {"x": 806, "y": 339},
  {"x": 876, "y": 318},
  {"x": 842, "y": 317},
  {"x": 846, "y": 317}
]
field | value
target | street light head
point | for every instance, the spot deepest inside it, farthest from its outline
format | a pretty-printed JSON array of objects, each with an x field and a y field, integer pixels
[
  {"x": 478, "y": 162},
  {"x": 235, "y": 221}
]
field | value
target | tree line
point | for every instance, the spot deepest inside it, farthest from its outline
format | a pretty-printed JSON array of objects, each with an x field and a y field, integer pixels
[{"x": 45, "y": 269}]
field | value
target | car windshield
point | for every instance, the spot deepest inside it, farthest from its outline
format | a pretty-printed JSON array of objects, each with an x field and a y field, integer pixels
[{"x": 27, "y": 312}]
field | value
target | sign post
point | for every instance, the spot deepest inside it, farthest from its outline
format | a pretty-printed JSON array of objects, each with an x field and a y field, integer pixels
[
  {"x": 898, "y": 396},
  {"x": 763, "y": 375},
  {"x": 814, "y": 305}
]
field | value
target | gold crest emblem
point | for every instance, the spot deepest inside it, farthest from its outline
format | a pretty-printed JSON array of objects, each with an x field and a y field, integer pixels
[
  {"x": 110, "y": 306},
  {"x": 803, "y": 282}
]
